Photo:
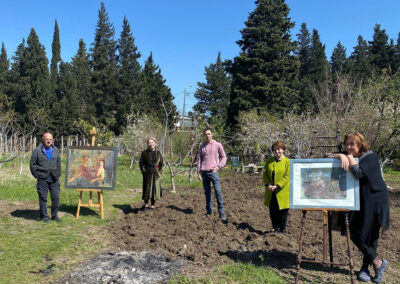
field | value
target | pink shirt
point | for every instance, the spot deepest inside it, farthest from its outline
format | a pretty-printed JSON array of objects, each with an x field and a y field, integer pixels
[{"x": 210, "y": 155}]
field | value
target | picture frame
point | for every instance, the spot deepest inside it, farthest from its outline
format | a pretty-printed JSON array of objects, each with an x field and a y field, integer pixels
[
  {"x": 322, "y": 183},
  {"x": 90, "y": 167}
]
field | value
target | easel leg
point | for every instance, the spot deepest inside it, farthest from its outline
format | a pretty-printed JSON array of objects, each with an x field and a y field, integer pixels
[
  {"x": 348, "y": 247},
  {"x": 79, "y": 204},
  {"x": 330, "y": 238},
  {"x": 90, "y": 198},
  {"x": 100, "y": 197},
  {"x": 325, "y": 239},
  {"x": 303, "y": 221}
]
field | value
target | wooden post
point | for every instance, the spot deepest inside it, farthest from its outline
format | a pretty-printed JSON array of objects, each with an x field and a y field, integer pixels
[{"x": 62, "y": 146}]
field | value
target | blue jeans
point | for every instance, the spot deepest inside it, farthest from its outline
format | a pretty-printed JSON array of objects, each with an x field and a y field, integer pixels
[{"x": 208, "y": 178}]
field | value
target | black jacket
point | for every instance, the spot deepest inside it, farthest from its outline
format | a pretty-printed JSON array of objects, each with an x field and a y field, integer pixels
[{"x": 41, "y": 167}]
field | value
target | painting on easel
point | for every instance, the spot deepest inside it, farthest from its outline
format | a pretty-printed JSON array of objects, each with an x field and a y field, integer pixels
[
  {"x": 91, "y": 167},
  {"x": 322, "y": 183}
]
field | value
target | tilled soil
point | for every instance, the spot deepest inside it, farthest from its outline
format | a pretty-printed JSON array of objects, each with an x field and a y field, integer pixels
[{"x": 178, "y": 229}]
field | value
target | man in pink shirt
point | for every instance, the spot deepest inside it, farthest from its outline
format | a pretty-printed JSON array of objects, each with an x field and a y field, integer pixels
[{"x": 210, "y": 158}]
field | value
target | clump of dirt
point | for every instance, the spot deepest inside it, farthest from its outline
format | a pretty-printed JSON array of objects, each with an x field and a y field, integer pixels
[
  {"x": 177, "y": 228},
  {"x": 125, "y": 267}
]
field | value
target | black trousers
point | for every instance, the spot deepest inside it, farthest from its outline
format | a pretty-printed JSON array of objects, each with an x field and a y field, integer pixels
[
  {"x": 365, "y": 237},
  {"x": 278, "y": 217},
  {"x": 43, "y": 187}
]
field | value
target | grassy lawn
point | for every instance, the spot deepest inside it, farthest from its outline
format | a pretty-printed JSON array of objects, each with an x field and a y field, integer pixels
[{"x": 34, "y": 252}]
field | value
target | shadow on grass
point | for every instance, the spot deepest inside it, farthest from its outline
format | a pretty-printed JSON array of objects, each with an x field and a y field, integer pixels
[
  {"x": 244, "y": 226},
  {"x": 186, "y": 211},
  {"x": 28, "y": 214},
  {"x": 279, "y": 260},
  {"x": 85, "y": 211}
]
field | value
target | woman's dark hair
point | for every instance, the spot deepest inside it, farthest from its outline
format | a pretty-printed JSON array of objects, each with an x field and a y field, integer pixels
[
  {"x": 279, "y": 145},
  {"x": 362, "y": 144}
]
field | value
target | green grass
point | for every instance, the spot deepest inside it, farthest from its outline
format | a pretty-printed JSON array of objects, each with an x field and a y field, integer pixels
[{"x": 239, "y": 273}]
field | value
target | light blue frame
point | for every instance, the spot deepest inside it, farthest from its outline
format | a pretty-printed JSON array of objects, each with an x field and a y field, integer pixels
[{"x": 352, "y": 186}]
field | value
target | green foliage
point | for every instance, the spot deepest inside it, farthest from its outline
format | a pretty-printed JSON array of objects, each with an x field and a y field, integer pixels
[
  {"x": 213, "y": 95},
  {"x": 338, "y": 60},
  {"x": 265, "y": 72},
  {"x": 56, "y": 56},
  {"x": 103, "y": 136},
  {"x": 379, "y": 49},
  {"x": 359, "y": 61}
]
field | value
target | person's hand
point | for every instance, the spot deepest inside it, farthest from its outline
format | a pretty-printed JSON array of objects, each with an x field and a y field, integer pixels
[
  {"x": 199, "y": 176},
  {"x": 344, "y": 161},
  {"x": 214, "y": 170},
  {"x": 271, "y": 187}
]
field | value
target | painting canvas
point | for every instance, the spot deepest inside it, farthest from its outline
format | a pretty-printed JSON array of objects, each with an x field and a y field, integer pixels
[
  {"x": 322, "y": 183},
  {"x": 91, "y": 167}
]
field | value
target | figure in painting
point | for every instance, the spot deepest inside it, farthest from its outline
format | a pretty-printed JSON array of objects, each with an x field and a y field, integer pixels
[
  {"x": 276, "y": 180},
  {"x": 374, "y": 203},
  {"x": 151, "y": 164}
]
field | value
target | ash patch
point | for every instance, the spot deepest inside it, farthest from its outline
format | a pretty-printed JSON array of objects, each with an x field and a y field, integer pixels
[{"x": 126, "y": 267}]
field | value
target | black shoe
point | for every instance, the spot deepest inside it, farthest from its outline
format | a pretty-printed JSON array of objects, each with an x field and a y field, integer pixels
[
  {"x": 207, "y": 215},
  {"x": 223, "y": 218},
  {"x": 56, "y": 219},
  {"x": 145, "y": 208},
  {"x": 46, "y": 220}
]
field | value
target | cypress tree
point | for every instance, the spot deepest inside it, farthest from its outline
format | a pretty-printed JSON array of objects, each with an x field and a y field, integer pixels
[
  {"x": 265, "y": 72},
  {"x": 104, "y": 76},
  {"x": 319, "y": 67},
  {"x": 129, "y": 70},
  {"x": 55, "y": 57},
  {"x": 4, "y": 69},
  {"x": 68, "y": 103},
  {"x": 303, "y": 50},
  {"x": 338, "y": 60},
  {"x": 155, "y": 93},
  {"x": 81, "y": 68},
  {"x": 213, "y": 95},
  {"x": 360, "y": 66}
]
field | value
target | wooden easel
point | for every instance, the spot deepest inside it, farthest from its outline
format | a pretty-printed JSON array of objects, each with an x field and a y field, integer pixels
[
  {"x": 327, "y": 230},
  {"x": 98, "y": 191}
]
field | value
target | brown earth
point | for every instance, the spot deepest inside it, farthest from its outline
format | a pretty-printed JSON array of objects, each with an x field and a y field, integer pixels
[{"x": 176, "y": 228}]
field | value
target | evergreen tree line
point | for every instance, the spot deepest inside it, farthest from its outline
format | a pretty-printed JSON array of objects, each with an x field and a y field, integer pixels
[
  {"x": 275, "y": 74},
  {"x": 100, "y": 86}
]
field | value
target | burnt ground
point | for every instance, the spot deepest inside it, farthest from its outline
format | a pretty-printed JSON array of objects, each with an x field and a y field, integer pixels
[{"x": 177, "y": 229}]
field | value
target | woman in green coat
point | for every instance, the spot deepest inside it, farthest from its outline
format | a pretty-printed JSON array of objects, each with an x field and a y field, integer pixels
[
  {"x": 151, "y": 164},
  {"x": 276, "y": 180}
]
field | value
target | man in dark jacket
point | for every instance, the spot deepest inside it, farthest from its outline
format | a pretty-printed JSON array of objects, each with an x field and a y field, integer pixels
[{"x": 45, "y": 166}]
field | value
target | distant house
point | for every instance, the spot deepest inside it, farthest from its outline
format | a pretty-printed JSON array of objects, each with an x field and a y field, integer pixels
[{"x": 186, "y": 123}]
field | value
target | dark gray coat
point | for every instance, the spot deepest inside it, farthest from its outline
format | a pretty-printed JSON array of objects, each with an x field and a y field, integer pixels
[{"x": 41, "y": 167}]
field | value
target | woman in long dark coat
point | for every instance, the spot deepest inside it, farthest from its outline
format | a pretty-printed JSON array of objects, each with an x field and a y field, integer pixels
[
  {"x": 151, "y": 164},
  {"x": 374, "y": 204}
]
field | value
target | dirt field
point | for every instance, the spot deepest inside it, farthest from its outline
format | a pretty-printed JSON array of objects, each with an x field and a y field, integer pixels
[{"x": 176, "y": 228}]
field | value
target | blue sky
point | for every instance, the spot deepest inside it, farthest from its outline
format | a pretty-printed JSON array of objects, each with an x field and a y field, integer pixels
[{"x": 186, "y": 35}]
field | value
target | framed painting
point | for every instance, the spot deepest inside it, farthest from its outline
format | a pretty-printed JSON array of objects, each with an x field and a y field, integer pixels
[
  {"x": 322, "y": 183},
  {"x": 91, "y": 167}
]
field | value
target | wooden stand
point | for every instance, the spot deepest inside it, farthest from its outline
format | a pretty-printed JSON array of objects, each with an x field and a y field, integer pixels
[
  {"x": 99, "y": 191},
  {"x": 326, "y": 236}
]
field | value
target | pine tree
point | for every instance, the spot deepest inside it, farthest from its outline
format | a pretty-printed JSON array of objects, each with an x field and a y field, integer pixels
[
  {"x": 104, "y": 76},
  {"x": 303, "y": 50},
  {"x": 56, "y": 57},
  {"x": 360, "y": 66},
  {"x": 155, "y": 93},
  {"x": 213, "y": 95},
  {"x": 31, "y": 86},
  {"x": 4, "y": 69},
  {"x": 265, "y": 72},
  {"x": 81, "y": 68},
  {"x": 129, "y": 70},
  {"x": 379, "y": 49},
  {"x": 338, "y": 60}
]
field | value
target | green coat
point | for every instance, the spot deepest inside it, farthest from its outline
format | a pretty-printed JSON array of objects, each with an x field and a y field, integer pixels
[
  {"x": 151, "y": 164},
  {"x": 281, "y": 179}
]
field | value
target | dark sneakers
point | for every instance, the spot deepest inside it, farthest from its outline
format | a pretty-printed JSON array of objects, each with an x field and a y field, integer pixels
[
  {"x": 56, "y": 219},
  {"x": 364, "y": 275},
  {"x": 46, "y": 220},
  {"x": 379, "y": 272}
]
